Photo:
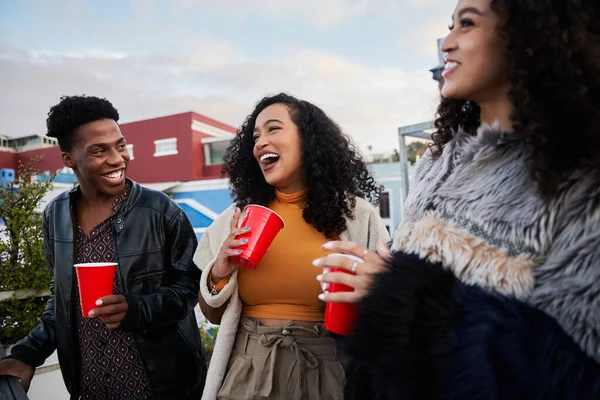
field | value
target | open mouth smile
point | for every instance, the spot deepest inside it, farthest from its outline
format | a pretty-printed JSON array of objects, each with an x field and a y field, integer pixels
[{"x": 268, "y": 161}]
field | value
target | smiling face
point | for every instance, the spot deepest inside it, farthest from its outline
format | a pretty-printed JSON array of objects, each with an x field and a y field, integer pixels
[
  {"x": 99, "y": 158},
  {"x": 278, "y": 148},
  {"x": 475, "y": 66}
]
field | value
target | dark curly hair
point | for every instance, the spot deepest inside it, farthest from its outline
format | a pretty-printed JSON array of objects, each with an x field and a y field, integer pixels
[
  {"x": 334, "y": 170},
  {"x": 553, "y": 54},
  {"x": 72, "y": 112}
]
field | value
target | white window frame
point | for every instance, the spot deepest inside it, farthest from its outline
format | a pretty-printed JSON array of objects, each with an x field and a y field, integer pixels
[
  {"x": 211, "y": 130},
  {"x": 165, "y": 153},
  {"x": 207, "y": 154},
  {"x": 130, "y": 151},
  {"x": 207, "y": 142}
]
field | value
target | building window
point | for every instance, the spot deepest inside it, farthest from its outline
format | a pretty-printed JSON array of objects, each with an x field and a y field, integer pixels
[
  {"x": 214, "y": 152},
  {"x": 130, "y": 151},
  {"x": 384, "y": 205},
  {"x": 165, "y": 147}
]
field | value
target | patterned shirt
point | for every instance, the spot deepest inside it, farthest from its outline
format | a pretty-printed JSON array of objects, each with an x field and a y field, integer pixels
[{"x": 111, "y": 366}]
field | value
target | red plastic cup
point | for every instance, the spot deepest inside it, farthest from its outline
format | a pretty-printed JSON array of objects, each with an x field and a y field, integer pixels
[
  {"x": 95, "y": 281},
  {"x": 265, "y": 224},
  {"x": 340, "y": 318}
]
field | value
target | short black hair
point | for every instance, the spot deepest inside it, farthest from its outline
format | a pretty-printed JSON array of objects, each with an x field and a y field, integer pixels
[{"x": 74, "y": 111}]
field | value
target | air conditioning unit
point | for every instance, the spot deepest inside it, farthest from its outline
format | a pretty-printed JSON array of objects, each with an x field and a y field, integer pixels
[{"x": 7, "y": 176}]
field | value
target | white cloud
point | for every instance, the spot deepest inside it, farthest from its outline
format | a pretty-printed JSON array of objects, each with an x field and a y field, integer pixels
[
  {"x": 203, "y": 73},
  {"x": 423, "y": 38},
  {"x": 368, "y": 102},
  {"x": 317, "y": 13}
]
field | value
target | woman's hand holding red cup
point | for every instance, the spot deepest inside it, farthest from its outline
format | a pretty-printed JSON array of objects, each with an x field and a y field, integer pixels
[
  {"x": 223, "y": 265},
  {"x": 362, "y": 276}
]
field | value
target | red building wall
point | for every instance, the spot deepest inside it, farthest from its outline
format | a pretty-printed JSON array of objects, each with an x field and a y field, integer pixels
[
  {"x": 52, "y": 159},
  {"x": 8, "y": 160},
  {"x": 145, "y": 167},
  {"x": 187, "y": 165},
  {"x": 213, "y": 122},
  {"x": 212, "y": 171},
  {"x": 201, "y": 170}
]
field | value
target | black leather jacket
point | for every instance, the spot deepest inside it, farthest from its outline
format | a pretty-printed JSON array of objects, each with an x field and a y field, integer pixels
[{"x": 155, "y": 246}]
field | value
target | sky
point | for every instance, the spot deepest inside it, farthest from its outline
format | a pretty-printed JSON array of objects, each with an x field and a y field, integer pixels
[{"x": 364, "y": 62}]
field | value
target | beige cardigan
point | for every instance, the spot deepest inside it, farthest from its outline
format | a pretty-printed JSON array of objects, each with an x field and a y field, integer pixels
[{"x": 367, "y": 228}]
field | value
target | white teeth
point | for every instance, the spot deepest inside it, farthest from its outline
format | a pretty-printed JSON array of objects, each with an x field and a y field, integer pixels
[
  {"x": 268, "y": 155},
  {"x": 114, "y": 175},
  {"x": 450, "y": 64}
]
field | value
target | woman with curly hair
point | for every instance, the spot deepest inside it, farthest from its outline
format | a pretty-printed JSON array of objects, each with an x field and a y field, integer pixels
[
  {"x": 492, "y": 286},
  {"x": 288, "y": 156}
]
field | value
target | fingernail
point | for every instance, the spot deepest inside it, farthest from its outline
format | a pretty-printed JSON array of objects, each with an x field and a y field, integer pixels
[
  {"x": 247, "y": 228},
  {"x": 98, "y": 302},
  {"x": 244, "y": 240},
  {"x": 325, "y": 271},
  {"x": 317, "y": 262},
  {"x": 239, "y": 251},
  {"x": 322, "y": 296},
  {"x": 91, "y": 314},
  {"x": 319, "y": 278},
  {"x": 328, "y": 245},
  {"x": 325, "y": 286}
]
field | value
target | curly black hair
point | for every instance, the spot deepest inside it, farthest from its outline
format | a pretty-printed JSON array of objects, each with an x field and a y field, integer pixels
[
  {"x": 72, "y": 112},
  {"x": 334, "y": 171},
  {"x": 553, "y": 54}
]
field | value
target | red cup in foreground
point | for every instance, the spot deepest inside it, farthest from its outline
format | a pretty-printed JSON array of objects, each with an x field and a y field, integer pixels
[
  {"x": 265, "y": 224},
  {"x": 95, "y": 281},
  {"x": 340, "y": 318}
]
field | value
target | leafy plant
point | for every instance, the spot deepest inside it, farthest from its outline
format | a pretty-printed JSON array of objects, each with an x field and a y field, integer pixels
[
  {"x": 18, "y": 317},
  {"x": 209, "y": 337},
  {"x": 22, "y": 261},
  {"x": 414, "y": 150}
]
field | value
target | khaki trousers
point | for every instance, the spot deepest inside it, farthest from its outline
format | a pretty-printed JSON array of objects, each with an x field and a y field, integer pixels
[{"x": 284, "y": 363}]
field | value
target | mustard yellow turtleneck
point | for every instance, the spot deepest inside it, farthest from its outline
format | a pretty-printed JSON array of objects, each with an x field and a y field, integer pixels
[{"x": 284, "y": 284}]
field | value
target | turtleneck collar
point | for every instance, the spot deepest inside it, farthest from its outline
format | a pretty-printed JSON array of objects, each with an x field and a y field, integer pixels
[{"x": 297, "y": 198}]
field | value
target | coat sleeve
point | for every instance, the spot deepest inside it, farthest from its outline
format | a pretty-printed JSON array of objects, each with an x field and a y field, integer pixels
[
  {"x": 568, "y": 282},
  {"x": 206, "y": 260},
  {"x": 213, "y": 307},
  {"x": 422, "y": 334}
]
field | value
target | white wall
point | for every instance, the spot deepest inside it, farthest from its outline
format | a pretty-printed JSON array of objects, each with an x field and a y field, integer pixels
[{"x": 47, "y": 383}]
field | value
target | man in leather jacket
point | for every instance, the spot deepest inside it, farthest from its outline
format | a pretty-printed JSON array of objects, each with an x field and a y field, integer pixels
[{"x": 142, "y": 342}]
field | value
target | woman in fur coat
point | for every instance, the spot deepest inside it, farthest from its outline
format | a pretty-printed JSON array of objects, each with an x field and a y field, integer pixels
[{"x": 492, "y": 286}]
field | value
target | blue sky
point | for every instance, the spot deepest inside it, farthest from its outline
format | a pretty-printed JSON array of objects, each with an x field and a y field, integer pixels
[{"x": 365, "y": 62}]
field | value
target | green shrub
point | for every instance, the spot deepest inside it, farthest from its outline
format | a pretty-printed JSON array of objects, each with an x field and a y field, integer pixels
[
  {"x": 209, "y": 336},
  {"x": 18, "y": 317},
  {"x": 22, "y": 261}
]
